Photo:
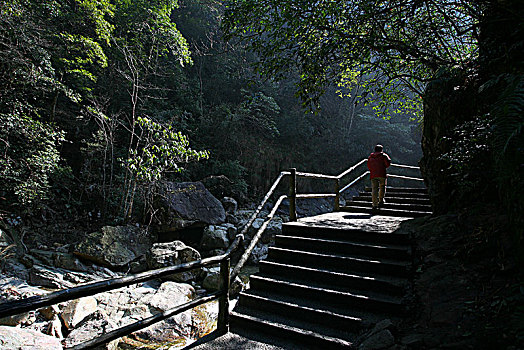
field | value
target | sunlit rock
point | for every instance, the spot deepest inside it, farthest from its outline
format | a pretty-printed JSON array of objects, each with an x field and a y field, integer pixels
[
  {"x": 187, "y": 204},
  {"x": 115, "y": 246},
  {"x": 17, "y": 338},
  {"x": 77, "y": 310},
  {"x": 172, "y": 254}
]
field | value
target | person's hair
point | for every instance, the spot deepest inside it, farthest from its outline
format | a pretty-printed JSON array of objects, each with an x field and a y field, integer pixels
[{"x": 378, "y": 148}]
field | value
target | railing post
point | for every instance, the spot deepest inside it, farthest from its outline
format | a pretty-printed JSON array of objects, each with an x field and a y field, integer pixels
[
  {"x": 223, "y": 301},
  {"x": 293, "y": 195},
  {"x": 337, "y": 195}
]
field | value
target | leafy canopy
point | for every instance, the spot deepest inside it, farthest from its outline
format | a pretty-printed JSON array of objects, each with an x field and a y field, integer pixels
[
  {"x": 396, "y": 45},
  {"x": 161, "y": 150}
]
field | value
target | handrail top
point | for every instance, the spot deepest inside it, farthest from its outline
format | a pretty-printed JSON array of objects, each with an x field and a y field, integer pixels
[
  {"x": 344, "y": 173},
  {"x": 317, "y": 176},
  {"x": 405, "y": 166}
]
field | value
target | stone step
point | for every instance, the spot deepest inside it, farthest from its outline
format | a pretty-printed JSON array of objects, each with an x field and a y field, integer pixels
[
  {"x": 389, "y": 199},
  {"x": 385, "y": 211},
  {"x": 338, "y": 262},
  {"x": 353, "y": 235},
  {"x": 353, "y": 248},
  {"x": 401, "y": 206},
  {"x": 312, "y": 315},
  {"x": 355, "y": 281},
  {"x": 367, "y": 317},
  {"x": 280, "y": 329},
  {"x": 365, "y": 301},
  {"x": 402, "y": 189},
  {"x": 398, "y": 195}
]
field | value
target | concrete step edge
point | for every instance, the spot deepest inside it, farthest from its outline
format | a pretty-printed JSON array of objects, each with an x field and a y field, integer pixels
[
  {"x": 371, "y": 277},
  {"x": 298, "y": 332},
  {"x": 260, "y": 300},
  {"x": 388, "y": 212},
  {"x": 390, "y": 301},
  {"x": 392, "y": 262},
  {"x": 313, "y": 240}
]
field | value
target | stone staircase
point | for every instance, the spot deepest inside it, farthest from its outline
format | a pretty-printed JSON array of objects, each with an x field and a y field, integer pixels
[
  {"x": 326, "y": 280},
  {"x": 399, "y": 201}
]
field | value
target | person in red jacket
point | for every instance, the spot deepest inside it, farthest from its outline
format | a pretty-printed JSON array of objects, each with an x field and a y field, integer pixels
[{"x": 378, "y": 161}]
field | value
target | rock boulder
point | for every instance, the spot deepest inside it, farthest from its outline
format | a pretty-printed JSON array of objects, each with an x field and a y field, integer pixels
[
  {"x": 17, "y": 338},
  {"x": 230, "y": 205},
  {"x": 115, "y": 246},
  {"x": 214, "y": 237},
  {"x": 77, "y": 310},
  {"x": 94, "y": 326},
  {"x": 171, "y": 254},
  {"x": 187, "y": 204}
]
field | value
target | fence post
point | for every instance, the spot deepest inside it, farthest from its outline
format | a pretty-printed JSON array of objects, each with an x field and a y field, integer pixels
[
  {"x": 293, "y": 195},
  {"x": 223, "y": 301},
  {"x": 337, "y": 194}
]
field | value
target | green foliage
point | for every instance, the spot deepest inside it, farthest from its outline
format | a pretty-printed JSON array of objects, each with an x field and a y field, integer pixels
[
  {"x": 258, "y": 113},
  {"x": 29, "y": 156},
  {"x": 145, "y": 28},
  {"x": 159, "y": 150},
  {"x": 395, "y": 45},
  {"x": 85, "y": 53}
]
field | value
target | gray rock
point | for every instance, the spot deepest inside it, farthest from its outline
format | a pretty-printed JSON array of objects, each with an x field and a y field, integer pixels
[
  {"x": 212, "y": 279},
  {"x": 48, "y": 277},
  {"x": 17, "y": 338},
  {"x": 20, "y": 319},
  {"x": 230, "y": 205},
  {"x": 212, "y": 282},
  {"x": 232, "y": 219},
  {"x": 77, "y": 310},
  {"x": 187, "y": 204},
  {"x": 12, "y": 288},
  {"x": 259, "y": 253},
  {"x": 13, "y": 267},
  {"x": 257, "y": 224},
  {"x": 115, "y": 246},
  {"x": 171, "y": 254},
  {"x": 273, "y": 228},
  {"x": 68, "y": 261},
  {"x": 231, "y": 230},
  {"x": 96, "y": 325},
  {"x": 236, "y": 287},
  {"x": 130, "y": 304},
  {"x": 29, "y": 261},
  {"x": 380, "y": 340},
  {"x": 216, "y": 252},
  {"x": 252, "y": 230},
  {"x": 54, "y": 328},
  {"x": 214, "y": 238},
  {"x": 43, "y": 255},
  {"x": 50, "y": 312},
  {"x": 169, "y": 295}
]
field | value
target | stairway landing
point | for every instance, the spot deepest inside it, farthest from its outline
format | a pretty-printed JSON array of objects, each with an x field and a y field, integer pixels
[{"x": 357, "y": 221}]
